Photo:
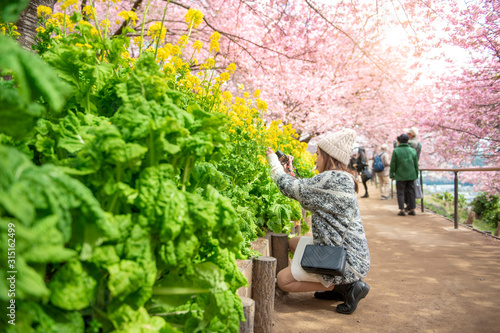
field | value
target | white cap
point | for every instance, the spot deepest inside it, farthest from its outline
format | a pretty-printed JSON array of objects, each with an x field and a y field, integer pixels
[
  {"x": 339, "y": 144},
  {"x": 383, "y": 147},
  {"x": 412, "y": 130}
]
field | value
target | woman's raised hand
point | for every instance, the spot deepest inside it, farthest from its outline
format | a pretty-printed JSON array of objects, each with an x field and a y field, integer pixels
[{"x": 269, "y": 151}]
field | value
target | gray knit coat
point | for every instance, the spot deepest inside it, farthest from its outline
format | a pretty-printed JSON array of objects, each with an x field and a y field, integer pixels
[{"x": 332, "y": 201}]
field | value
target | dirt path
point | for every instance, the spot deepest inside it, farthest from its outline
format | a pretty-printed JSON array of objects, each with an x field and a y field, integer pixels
[{"x": 425, "y": 276}]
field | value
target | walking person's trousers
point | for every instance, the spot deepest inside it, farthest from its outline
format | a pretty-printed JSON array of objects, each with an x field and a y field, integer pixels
[
  {"x": 406, "y": 190},
  {"x": 385, "y": 185}
]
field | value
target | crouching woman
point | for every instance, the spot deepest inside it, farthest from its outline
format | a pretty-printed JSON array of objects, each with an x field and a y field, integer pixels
[{"x": 331, "y": 197}]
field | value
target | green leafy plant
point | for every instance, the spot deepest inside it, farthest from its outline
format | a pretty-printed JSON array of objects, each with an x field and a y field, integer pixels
[
  {"x": 487, "y": 207},
  {"x": 132, "y": 189}
]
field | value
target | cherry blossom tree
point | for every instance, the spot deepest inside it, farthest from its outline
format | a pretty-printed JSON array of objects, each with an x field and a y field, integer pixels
[
  {"x": 369, "y": 65},
  {"x": 465, "y": 120}
]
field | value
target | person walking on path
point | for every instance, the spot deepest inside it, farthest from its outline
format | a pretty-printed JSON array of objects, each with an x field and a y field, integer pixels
[
  {"x": 404, "y": 169},
  {"x": 363, "y": 169},
  {"x": 413, "y": 141},
  {"x": 383, "y": 176},
  {"x": 331, "y": 198},
  {"x": 415, "y": 144}
]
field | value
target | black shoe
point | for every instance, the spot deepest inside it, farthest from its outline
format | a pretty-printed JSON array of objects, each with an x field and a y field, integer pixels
[
  {"x": 357, "y": 291},
  {"x": 402, "y": 213},
  {"x": 365, "y": 196},
  {"x": 330, "y": 295},
  {"x": 412, "y": 212}
]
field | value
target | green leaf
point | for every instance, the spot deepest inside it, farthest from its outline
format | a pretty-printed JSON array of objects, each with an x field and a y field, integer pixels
[
  {"x": 10, "y": 10},
  {"x": 72, "y": 287},
  {"x": 34, "y": 78},
  {"x": 125, "y": 278},
  {"x": 33, "y": 317}
]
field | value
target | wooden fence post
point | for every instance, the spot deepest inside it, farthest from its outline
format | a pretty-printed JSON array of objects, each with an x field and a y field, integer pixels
[
  {"x": 249, "y": 312},
  {"x": 263, "y": 286},
  {"x": 280, "y": 251}
]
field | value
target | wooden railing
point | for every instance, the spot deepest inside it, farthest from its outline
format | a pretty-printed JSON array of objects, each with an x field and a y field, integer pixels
[{"x": 456, "y": 171}]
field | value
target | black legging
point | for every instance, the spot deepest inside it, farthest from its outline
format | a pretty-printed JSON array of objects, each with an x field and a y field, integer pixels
[{"x": 364, "y": 184}]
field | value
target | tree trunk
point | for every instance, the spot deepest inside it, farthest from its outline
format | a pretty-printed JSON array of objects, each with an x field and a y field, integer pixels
[{"x": 27, "y": 23}]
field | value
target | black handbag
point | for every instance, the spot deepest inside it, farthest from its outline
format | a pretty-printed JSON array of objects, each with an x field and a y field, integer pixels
[
  {"x": 324, "y": 259},
  {"x": 366, "y": 174}
]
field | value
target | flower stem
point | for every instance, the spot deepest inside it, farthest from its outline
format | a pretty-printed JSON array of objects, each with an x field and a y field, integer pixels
[
  {"x": 161, "y": 28},
  {"x": 94, "y": 14},
  {"x": 142, "y": 27},
  {"x": 64, "y": 23},
  {"x": 107, "y": 22}
]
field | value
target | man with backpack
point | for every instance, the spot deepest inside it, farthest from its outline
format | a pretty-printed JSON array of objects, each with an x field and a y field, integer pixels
[{"x": 381, "y": 164}]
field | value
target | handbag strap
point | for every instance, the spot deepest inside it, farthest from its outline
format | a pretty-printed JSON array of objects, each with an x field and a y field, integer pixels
[{"x": 345, "y": 233}]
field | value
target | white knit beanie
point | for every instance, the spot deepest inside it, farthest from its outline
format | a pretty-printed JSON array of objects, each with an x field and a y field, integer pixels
[{"x": 339, "y": 145}]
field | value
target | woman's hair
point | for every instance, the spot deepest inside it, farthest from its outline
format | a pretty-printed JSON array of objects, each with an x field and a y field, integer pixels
[
  {"x": 330, "y": 163},
  {"x": 362, "y": 152}
]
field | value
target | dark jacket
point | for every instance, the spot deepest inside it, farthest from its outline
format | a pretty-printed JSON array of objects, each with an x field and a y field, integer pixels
[
  {"x": 404, "y": 163},
  {"x": 352, "y": 161},
  {"x": 361, "y": 162}
]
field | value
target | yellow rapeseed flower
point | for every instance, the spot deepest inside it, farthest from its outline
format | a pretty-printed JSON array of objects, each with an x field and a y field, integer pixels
[
  {"x": 214, "y": 42},
  {"x": 43, "y": 10},
  {"x": 261, "y": 104},
  {"x": 161, "y": 54},
  {"x": 227, "y": 96},
  {"x": 87, "y": 10},
  {"x": 9, "y": 28},
  {"x": 68, "y": 3},
  {"x": 231, "y": 68},
  {"x": 225, "y": 77},
  {"x": 58, "y": 16},
  {"x": 195, "y": 81},
  {"x": 179, "y": 63},
  {"x": 105, "y": 24},
  {"x": 182, "y": 40},
  {"x": 40, "y": 29},
  {"x": 197, "y": 45},
  {"x": 209, "y": 64},
  {"x": 87, "y": 45},
  {"x": 194, "y": 18},
  {"x": 154, "y": 31},
  {"x": 262, "y": 159},
  {"x": 256, "y": 93},
  {"x": 128, "y": 15},
  {"x": 53, "y": 22}
]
